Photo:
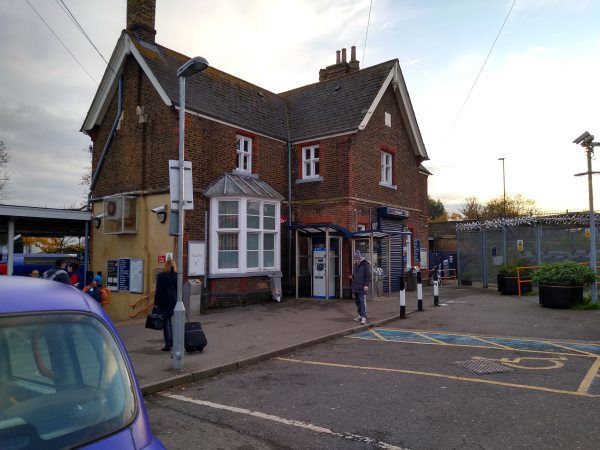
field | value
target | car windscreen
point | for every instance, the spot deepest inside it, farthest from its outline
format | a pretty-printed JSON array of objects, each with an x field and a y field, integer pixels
[{"x": 63, "y": 382}]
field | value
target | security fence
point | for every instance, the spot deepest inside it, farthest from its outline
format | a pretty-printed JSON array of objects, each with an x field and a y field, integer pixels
[{"x": 482, "y": 247}]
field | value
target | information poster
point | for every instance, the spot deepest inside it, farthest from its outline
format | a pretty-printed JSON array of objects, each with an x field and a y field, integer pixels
[
  {"x": 196, "y": 258},
  {"x": 417, "y": 251},
  {"x": 112, "y": 275},
  {"x": 136, "y": 276},
  {"x": 124, "y": 273}
]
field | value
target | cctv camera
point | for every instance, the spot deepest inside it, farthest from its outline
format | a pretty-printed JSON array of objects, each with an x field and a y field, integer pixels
[
  {"x": 158, "y": 209},
  {"x": 584, "y": 137}
]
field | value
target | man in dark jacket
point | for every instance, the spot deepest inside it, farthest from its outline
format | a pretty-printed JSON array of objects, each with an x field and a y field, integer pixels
[
  {"x": 57, "y": 273},
  {"x": 361, "y": 278}
]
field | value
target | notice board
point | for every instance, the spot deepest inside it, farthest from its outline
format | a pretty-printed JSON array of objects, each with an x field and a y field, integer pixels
[
  {"x": 196, "y": 258},
  {"x": 112, "y": 275}
]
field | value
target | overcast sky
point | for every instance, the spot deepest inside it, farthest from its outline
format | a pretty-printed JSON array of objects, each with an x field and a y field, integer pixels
[{"x": 537, "y": 93}]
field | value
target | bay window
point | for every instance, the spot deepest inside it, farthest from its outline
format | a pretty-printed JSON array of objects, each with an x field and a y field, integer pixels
[{"x": 245, "y": 235}]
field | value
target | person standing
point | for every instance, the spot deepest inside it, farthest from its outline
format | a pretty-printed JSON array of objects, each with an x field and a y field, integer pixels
[
  {"x": 57, "y": 273},
  {"x": 165, "y": 298},
  {"x": 97, "y": 292},
  {"x": 73, "y": 275},
  {"x": 361, "y": 278}
]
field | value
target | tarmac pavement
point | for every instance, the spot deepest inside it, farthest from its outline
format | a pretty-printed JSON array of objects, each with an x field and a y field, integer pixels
[
  {"x": 244, "y": 335},
  {"x": 240, "y": 336}
]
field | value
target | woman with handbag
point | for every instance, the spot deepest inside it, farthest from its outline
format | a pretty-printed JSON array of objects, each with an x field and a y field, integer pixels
[{"x": 165, "y": 298}]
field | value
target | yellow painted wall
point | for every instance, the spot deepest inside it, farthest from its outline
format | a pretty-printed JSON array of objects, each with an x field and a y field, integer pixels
[{"x": 152, "y": 239}]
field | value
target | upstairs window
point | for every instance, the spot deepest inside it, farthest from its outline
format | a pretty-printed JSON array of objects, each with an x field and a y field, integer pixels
[
  {"x": 386, "y": 168},
  {"x": 244, "y": 154},
  {"x": 310, "y": 162},
  {"x": 388, "y": 119}
]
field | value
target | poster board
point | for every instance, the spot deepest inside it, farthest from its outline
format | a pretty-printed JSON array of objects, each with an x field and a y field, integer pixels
[
  {"x": 112, "y": 275},
  {"x": 124, "y": 271},
  {"x": 196, "y": 258},
  {"x": 136, "y": 276}
]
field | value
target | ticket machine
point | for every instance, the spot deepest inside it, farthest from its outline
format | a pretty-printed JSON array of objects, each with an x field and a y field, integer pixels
[{"x": 323, "y": 273}]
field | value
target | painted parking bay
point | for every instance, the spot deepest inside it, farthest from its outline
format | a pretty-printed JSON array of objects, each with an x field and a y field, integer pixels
[{"x": 561, "y": 366}]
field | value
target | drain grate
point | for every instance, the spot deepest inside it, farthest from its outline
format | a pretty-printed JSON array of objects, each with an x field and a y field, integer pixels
[{"x": 482, "y": 366}]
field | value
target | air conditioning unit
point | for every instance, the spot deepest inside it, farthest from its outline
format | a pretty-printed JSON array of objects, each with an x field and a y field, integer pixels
[
  {"x": 120, "y": 214},
  {"x": 113, "y": 208}
]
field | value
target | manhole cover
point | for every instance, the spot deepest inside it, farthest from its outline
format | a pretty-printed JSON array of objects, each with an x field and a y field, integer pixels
[{"x": 482, "y": 366}]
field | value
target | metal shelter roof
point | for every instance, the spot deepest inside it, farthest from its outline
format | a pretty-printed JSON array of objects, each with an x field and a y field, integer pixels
[
  {"x": 320, "y": 228},
  {"x": 236, "y": 185},
  {"x": 44, "y": 222}
]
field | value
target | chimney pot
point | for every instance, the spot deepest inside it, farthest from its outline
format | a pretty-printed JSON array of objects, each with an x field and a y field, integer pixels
[
  {"x": 337, "y": 56},
  {"x": 353, "y": 53},
  {"x": 343, "y": 55}
]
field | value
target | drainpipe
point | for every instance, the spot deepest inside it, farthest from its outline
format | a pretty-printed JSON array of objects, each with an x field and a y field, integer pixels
[
  {"x": 109, "y": 140},
  {"x": 289, "y": 145}
]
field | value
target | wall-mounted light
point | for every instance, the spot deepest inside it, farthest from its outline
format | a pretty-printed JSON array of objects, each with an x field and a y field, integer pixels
[
  {"x": 161, "y": 213},
  {"x": 98, "y": 220}
]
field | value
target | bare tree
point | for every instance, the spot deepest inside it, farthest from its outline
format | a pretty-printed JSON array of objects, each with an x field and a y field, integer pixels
[
  {"x": 4, "y": 174},
  {"x": 472, "y": 209}
]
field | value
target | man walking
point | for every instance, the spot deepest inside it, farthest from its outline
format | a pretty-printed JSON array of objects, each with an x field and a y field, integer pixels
[
  {"x": 361, "y": 278},
  {"x": 57, "y": 273}
]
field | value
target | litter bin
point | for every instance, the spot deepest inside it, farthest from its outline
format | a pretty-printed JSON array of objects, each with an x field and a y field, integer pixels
[
  {"x": 411, "y": 280},
  {"x": 192, "y": 294},
  {"x": 275, "y": 281}
]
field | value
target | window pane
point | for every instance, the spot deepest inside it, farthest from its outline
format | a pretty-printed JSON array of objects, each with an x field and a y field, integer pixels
[
  {"x": 269, "y": 223},
  {"x": 254, "y": 208},
  {"x": 228, "y": 241},
  {"x": 306, "y": 155},
  {"x": 253, "y": 215},
  {"x": 228, "y": 260},
  {"x": 252, "y": 260},
  {"x": 253, "y": 239},
  {"x": 317, "y": 168},
  {"x": 316, "y": 152},
  {"x": 228, "y": 207},
  {"x": 246, "y": 145},
  {"x": 228, "y": 221},
  {"x": 307, "y": 172},
  {"x": 269, "y": 210},
  {"x": 269, "y": 242},
  {"x": 254, "y": 222}
]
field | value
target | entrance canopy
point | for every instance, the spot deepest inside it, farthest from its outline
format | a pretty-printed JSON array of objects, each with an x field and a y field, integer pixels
[{"x": 40, "y": 222}]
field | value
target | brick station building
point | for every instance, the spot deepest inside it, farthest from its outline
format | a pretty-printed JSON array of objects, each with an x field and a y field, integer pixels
[{"x": 277, "y": 178}]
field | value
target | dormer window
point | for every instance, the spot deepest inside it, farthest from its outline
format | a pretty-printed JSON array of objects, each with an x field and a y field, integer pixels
[
  {"x": 310, "y": 162},
  {"x": 244, "y": 154}
]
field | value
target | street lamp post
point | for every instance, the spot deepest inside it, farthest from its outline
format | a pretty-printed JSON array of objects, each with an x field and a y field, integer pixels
[
  {"x": 586, "y": 140},
  {"x": 503, "y": 185},
  {"x": 194, "y": 65}
]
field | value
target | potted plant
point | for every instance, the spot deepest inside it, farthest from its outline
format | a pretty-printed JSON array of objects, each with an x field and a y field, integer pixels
[
  {"x": 508, "y": 281},
  {"x": 466, "y": 275},
  {"x": 561, "y": 283}
]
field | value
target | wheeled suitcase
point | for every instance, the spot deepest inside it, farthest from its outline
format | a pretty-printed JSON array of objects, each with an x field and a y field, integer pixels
[{"x": 195, "y": 340}]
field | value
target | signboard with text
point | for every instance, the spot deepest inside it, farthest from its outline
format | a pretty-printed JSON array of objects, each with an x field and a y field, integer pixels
[
  {"x": 124, "y": 272},
  {"x": 112, "y": 274}
]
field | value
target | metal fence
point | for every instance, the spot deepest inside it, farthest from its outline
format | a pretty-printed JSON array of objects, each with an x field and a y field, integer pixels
[{"x": 481, "y": 250}]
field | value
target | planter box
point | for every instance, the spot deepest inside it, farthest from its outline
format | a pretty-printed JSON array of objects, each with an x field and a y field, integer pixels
[
  {"x": 509, "y": 285},
  {"x": 560, "y": 296}
]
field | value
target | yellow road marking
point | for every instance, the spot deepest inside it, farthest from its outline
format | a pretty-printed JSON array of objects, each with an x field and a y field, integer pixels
[
  {"x": 505, "y": 347},
  {"x": 584, "y": 387},
  {"x": 423, "y": 335},
  {"x": 477, "y": 346},
  {"x": 521, "y": 338},
  {"x": 377, "y": 335},
  {"x": 556, "y": 344},
  {"x": 439, "y": 375}
]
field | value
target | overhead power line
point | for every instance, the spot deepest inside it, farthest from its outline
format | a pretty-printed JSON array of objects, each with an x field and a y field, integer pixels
[
  {"x": 367, "y": 33},
  {"x": 480, "y": 70},
  {"x": 61, "y": 42},
  {"x": 70, "y": 15}
]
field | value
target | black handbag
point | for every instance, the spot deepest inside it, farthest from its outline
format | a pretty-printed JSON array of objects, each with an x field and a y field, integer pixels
[{"x": 154, "y": 321}]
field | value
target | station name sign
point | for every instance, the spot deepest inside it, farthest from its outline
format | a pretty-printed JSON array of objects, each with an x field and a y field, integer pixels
[{"x": 393, "y": 212}]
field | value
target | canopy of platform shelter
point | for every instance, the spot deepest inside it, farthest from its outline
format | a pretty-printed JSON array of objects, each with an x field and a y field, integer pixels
[{"x": 41, "y": 222}]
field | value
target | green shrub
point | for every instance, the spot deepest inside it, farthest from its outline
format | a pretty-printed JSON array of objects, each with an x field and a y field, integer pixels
[
  {"x": 510, "y": 270},
  {"x": 566, "y": 273}
]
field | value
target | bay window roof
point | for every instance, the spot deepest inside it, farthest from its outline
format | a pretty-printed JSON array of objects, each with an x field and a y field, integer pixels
[{"x": 234, "y": 185}]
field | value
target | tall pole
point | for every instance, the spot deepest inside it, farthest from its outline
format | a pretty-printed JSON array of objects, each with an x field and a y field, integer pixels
[
  {"x": 179, "y": 312},
  {"x": 503, "y": 185},
  {"x": 594, "y": 292}
]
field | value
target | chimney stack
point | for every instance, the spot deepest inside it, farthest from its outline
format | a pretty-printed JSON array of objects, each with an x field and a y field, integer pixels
[
  {"x": 141, "y": 18},
  {"x": 341, "y": 66}
]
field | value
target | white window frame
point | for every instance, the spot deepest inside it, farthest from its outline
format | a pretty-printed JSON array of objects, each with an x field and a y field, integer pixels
[
  {"x": 387, "y": 168},
  {"x": 310, "y": 161},
  {"x": 242, "y": 154},
  {"x": 388, "y": 119},
  {"x": 242, "y": 233}
]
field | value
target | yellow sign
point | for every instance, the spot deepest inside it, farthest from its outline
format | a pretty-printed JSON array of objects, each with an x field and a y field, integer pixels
[
  {"x": 520, "y": 245},
  {"x": 587, "y": 233}
]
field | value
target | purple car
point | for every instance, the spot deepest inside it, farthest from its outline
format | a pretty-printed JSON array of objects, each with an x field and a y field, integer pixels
[{"x": 65, "y": 377}]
